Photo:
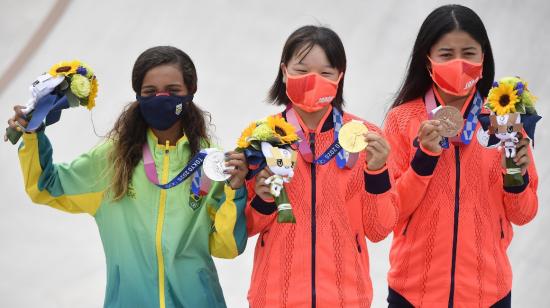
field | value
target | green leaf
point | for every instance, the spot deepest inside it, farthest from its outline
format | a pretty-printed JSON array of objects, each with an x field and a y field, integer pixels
[
  {"x": 520, "y": 108},
  {"x": 530, "y": 110},
  {"x": 257, "y": 145},
  {"x": 64, "y": 85},
  {"x": 13, "y": 135},
  {"x": 275, "y": 140},
  {"x": 83, "y": 101},
  {"x": 286, "y": 216},
  {"x": 72, "y": 99}
]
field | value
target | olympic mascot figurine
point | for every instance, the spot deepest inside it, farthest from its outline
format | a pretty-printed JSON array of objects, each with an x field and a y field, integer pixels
[
  {"x": 512, "y": 115},
  {"x": 268, "y": 143}
]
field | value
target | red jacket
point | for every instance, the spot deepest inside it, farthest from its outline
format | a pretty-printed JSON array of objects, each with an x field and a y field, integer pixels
[
  {"x": 455, "y": 218},
  {"x": 323, "y": 256}
]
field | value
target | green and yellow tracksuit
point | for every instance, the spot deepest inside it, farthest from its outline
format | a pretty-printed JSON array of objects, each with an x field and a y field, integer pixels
[{"x": 157, "y": 247}]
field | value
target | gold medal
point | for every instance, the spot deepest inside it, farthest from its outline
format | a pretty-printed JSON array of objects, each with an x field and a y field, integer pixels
[
  {"x": 451, "y": 120},
  {"x": 351, "y": 136}
]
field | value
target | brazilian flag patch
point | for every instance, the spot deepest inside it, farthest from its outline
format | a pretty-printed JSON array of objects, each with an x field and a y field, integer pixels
[{"x": 194, "y": 202}]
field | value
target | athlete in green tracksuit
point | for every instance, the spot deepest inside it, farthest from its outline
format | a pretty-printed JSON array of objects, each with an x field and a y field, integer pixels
[{"x": 158, "y": 244}]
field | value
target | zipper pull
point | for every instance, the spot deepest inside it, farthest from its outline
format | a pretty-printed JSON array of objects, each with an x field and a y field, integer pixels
[
  {"x": 312, "y": 143},
  {"x": 357, "y": 241},
  {"x": 262, "y": 243}
]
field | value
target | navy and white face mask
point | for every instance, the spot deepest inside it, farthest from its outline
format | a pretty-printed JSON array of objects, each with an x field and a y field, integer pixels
[{"x": 163, "y": 110}]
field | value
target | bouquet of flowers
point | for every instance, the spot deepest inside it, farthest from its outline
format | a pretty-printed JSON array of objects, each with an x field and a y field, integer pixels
[
  {"x": 268, "y": 143},
  {"x": 67, "y": 84},
  {"x": 512, "y": 109}
]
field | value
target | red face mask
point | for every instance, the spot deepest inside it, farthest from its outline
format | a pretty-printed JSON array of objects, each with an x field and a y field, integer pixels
[
  {"x": 311, "y": 92},
  {"x": 456, "y": 77}
]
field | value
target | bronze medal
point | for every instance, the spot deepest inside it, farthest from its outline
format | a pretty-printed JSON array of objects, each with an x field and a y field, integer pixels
[{"x": 451, "y": 120}]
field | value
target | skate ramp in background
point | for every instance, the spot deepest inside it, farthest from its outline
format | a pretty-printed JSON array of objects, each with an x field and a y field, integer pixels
[{"x": 53, "y": 259}]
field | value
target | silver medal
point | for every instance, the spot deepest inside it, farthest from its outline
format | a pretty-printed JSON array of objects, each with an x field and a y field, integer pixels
[{"x": 214, "y": 166}]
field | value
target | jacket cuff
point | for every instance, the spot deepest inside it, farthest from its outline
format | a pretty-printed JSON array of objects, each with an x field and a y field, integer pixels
[
  {"x": 30, "y": 136},
  {"x": 377, "y": 183},
  {"x": 374, "y": 172},
  {"x": 266, "y": 208},
  {"x": 424, "y": 163},
  {"x": 240, "y": 192},
  {"x": 518, "y": 189}
]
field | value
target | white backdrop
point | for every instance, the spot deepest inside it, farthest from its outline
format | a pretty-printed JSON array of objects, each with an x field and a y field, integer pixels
[{"x": 53, "y": 259}]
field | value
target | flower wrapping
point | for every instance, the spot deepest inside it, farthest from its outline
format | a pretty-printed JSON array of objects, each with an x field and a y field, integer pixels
[
  {"x": 67, "y": 84},
  {"x": 268, "y": 143},
  {"x": 512, "y": 108}
]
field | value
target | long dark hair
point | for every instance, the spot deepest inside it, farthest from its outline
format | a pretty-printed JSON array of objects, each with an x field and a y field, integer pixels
[
  {"x": 302, "y": 40},
  {"x": 130, "y": 130},
  {"x": 441, "y": 21}
]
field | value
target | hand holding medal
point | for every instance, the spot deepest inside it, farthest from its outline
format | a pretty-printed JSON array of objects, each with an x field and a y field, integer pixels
[
  {"x": 450, "y": 120},
  {"x": 352, "y": 136},
  {"x": 355, "y": 137},
  {"x": 445, "y": 122},
  {"x": 429, "y": 136},
  {"x": 214, "y": 166},
  {"x": 217, "y": 166},
  {"x": 229, "y": 167}
]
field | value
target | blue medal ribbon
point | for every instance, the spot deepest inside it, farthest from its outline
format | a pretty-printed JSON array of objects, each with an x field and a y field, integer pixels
[
  {"x": 330, "y": 153},
  {"x": 193, "y": 166},
  {"x": 335, "y": 150}
]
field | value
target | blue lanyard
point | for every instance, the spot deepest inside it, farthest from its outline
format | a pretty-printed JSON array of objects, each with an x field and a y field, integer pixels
[{"x": 193, "y": 167}]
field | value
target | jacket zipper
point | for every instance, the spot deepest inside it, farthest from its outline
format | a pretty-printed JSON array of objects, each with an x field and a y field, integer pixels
[
  {"x": 262, "y": 242},
  {"x": 501, "y": 229},
  {"x": 357, "y": 242},
  {"x": 455, "y": 225},
  {"x": 160, "y": 225},
  {"x": 407, "y": 225},
  {"x": 313, "y": 223}
]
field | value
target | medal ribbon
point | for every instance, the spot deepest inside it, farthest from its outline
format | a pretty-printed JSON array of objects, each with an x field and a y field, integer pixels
[
  {"x": 469, "y": 127},
  {"x": 193, "y": 167},
  {"x": 343, "y": 158}
]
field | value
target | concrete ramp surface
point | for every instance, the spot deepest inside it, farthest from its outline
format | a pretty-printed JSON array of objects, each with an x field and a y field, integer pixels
[{"x": 53, "y": 259}]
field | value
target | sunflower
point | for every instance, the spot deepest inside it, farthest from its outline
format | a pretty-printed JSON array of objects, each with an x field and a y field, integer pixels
[
  {"x": 65, "y": 68},
  {"x": 283, "y": 130},
  {"x": 502, "y": 99},
  {"x": 243, "y": 141},
  {"x": 93, "y": 93}
]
